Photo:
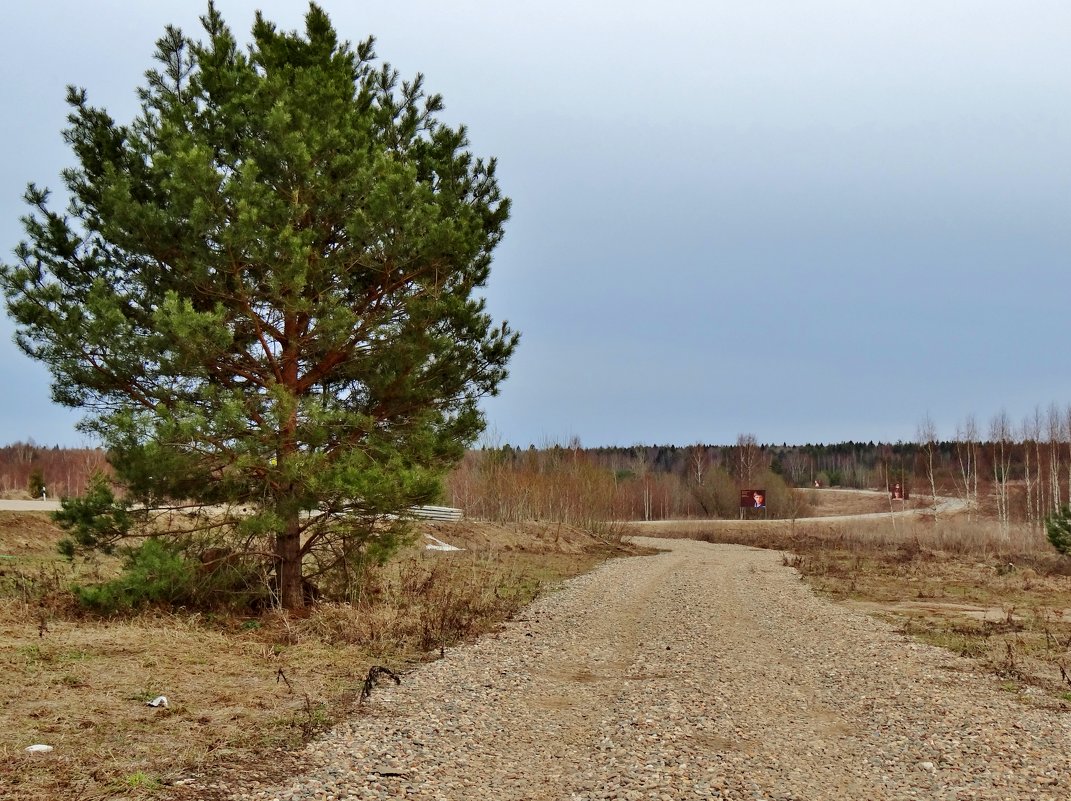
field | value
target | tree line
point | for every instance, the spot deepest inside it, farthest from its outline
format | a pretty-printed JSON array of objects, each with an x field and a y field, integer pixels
[
  {"x": 1018, "y": 474},
  {"x": 1015, "y": 473},
  {"x": 60, "y": 472}
]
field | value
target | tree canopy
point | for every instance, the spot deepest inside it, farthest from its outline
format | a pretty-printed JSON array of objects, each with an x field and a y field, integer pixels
[{"x": 263, "y": 289}]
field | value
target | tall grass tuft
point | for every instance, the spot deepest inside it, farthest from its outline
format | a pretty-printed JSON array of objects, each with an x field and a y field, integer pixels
[{"x": 425, "y": 602}]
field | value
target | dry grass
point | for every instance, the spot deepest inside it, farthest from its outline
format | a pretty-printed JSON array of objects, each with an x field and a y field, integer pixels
[
  {"x": 830, "y": 502},
  {"x": 1001, "y": 599},
  {"x": 237, "y": 688}
]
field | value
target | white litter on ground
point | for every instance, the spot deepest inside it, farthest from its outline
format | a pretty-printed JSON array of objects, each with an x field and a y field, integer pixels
[
  {"x": 439, "y": 545},
  {"x": 39, "y": 748},
  {"x": 160, "y": 700}
]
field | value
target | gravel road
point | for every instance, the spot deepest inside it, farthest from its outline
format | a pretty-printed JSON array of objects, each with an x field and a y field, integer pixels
[
  {"x": 29, "y": 506},
  {"x": 708, "y": 671}
]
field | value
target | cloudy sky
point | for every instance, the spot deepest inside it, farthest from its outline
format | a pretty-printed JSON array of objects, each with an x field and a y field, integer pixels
[{"x": 809, "y": 220}]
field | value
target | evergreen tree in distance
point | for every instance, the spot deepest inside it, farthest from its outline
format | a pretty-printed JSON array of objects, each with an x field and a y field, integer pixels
[{"x": 263, "y": 291}]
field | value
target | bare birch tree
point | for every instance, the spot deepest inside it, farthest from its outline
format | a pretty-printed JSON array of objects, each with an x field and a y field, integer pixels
[
  {"x": 1029, "y": 481},
  {"x": 967, "y": 454},
  {"x": 700, "y": 458},
  {"x": 1067, "y": 430},
  {"x": 642, "y": 465},
  {"x": 927, "y": 439},
  {"x": 747, "y": 458},
  {"x": 1040, "y": 495},
  {"x": 1055, "y": 435},
  {"x": 1000, "y": 436}
]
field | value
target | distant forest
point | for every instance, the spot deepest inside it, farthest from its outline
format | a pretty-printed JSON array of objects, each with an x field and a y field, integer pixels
[
  {"x": 26, "y": 468},
  {"x": 1015, "y": 477}
]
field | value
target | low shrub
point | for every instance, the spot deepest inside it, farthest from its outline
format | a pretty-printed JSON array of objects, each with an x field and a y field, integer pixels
[{"x": 153, "y": 574}]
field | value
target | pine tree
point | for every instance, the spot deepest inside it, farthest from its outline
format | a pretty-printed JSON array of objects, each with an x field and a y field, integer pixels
[
  {"x": 35, "y": 485},
  {"x": 1058, "y": 529},
  {"x": 263, "y": 290}
]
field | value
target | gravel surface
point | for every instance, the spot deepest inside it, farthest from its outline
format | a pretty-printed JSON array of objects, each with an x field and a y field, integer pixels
[{"x": 708, "y": 671}]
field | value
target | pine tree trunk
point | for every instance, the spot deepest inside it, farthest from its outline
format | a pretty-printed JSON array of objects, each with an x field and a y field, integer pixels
[
  {"x": 288, "y": 553},
  {"x": 288, "y": 542}
]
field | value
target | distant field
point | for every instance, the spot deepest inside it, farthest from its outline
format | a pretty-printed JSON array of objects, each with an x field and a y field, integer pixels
[{"x": 836, "y": 502}]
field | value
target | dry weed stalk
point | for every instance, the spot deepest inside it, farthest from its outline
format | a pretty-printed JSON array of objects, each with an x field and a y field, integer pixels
[{"x": 372, "y": 679}]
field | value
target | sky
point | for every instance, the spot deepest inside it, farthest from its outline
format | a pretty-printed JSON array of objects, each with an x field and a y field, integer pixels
[{"x": 806, "y": 220}]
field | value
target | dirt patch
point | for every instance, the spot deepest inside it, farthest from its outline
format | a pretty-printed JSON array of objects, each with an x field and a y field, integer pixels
[{"x": 28, "y": 532}]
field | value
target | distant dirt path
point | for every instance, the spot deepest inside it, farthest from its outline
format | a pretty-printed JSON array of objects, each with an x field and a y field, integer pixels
[
  {"x": 945, "y": 506},
  {"x": 29, "y": 506},
  {"x": 708, "y": 671}
]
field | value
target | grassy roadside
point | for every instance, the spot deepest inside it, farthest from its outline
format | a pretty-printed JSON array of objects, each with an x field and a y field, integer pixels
[
  {"x": 1001, "y": 600},
  {"x": 238, "y": 689}
]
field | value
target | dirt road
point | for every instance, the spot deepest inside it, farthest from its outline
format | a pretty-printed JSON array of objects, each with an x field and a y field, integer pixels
[
  {"x": 29, "y": 506},
  {"x": 708, "y": 671}
]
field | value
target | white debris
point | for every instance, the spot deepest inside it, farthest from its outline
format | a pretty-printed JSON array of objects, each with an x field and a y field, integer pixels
[
  {"x": 39, "y": 749},
  {"x": 439, "y": 545},
  {"x": 160, "y": 700}
]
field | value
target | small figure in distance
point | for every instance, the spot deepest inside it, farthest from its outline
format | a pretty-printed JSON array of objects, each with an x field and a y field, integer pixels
[
  {"x": 760, "y": 500},
  {"x": 897, "y": 493},
  {"x": 817, "y": 483}
]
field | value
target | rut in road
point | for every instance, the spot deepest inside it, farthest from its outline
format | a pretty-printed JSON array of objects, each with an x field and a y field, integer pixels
[{"x": 708, "y": 671}]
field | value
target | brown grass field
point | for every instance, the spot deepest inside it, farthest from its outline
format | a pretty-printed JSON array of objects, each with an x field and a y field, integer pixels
[
  {"x": 245, "y": 692},
  {"x": 239, "y": 689}
]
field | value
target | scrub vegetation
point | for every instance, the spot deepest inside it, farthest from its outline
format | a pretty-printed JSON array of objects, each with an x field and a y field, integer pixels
[{"x": 239, "y": 686}]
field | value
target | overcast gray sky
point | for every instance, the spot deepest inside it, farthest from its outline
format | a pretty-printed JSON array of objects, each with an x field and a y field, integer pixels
[{"x": 806, "y": 220}]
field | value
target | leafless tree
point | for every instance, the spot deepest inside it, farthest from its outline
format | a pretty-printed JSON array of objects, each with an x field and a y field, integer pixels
[
  {"x": 1067, "y": 430},
  {"x": 700, "y": 459},
  {"x": 747, "y": 458},
  {"x": 926, "y": 435},
  {"x": 642, "y": 466},
  {"x": 1040, "y": 497},
  {"x": 1000, "y": 436},
  {"x": 1029, "y": 441},
  {"x": 967, "y": 454},
  {"x": 1055, "y": 434}
]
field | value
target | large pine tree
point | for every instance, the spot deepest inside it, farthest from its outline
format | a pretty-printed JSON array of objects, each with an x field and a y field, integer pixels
[{"x": 263, "y": 290}]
